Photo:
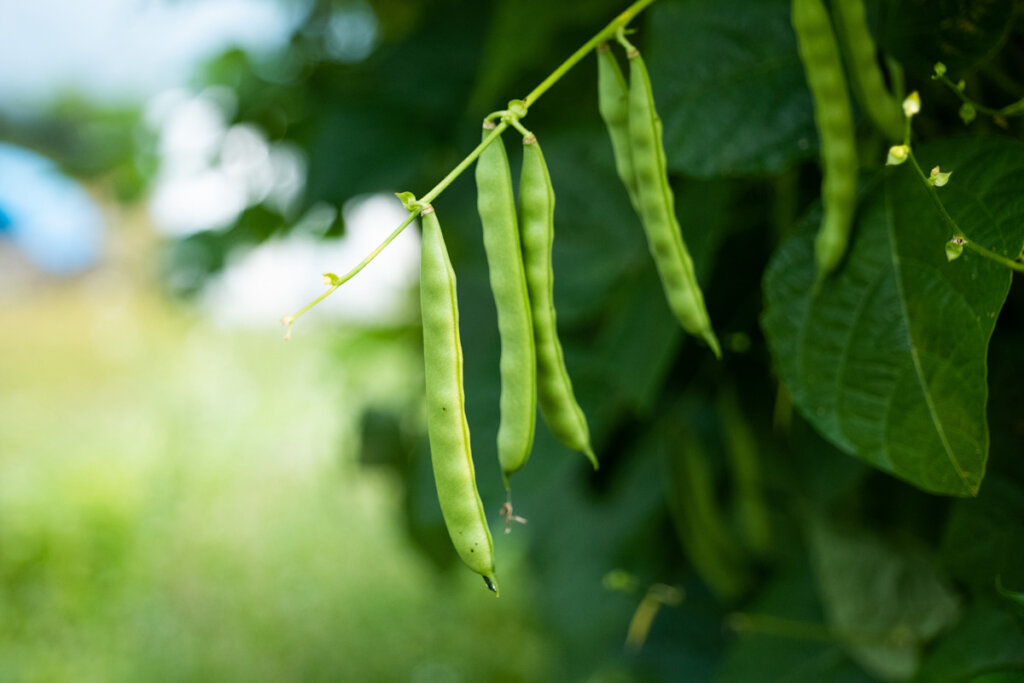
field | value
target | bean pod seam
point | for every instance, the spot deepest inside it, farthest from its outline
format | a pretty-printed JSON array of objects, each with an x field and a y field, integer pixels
[
  {"x": 555, "y": 395},
  {"x": 518, "y": 365},
  {"x": 448, "y": 430},
  {"x": 657, "y": 207}
]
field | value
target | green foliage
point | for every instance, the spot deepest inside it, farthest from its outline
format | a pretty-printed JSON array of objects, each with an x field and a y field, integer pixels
[
  {"x": 884, "y": 601},
  {"x": 888, "y": 358},
  {"x": 207, "y": 519},
  {"x": 728, "y": 81},
  {"x": 799, "y": 563}
]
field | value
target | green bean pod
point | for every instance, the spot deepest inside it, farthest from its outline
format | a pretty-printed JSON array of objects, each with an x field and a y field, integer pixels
[
  {"x": 613, "y": 103},
  {"x": 751, "y": 510},
  {"x": 656, "y": 205},
  {"x": 699, "y": 521},
  {"x": 555, "y": 396},
  {"x": 497, "y": 208},
  {"x": 865, "y": 75},
  {"x": 446, "y": 406},
  {"x": 823, "y": 68}
]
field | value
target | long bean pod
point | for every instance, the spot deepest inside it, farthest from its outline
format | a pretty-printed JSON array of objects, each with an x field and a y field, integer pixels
[
  {"x": 450, "y": 452},
  {"x": 497, "y": 208},
  {"x": 613, "y": 103},
  {"x": 865, "y": 75},
  {"x": 555, "y": 395},
  {"x": 824, "y": 70},
  {"x": 656, "y": 205}
]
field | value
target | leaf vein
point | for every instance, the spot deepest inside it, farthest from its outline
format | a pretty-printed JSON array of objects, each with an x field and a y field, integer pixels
[{"x": 918, "y": 371}]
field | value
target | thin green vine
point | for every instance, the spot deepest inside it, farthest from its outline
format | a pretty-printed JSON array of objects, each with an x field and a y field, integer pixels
[
  {"x": 971, "y": 107},
  {"x": 517, "y": 109},
  {"x": 904, "y": 152}
]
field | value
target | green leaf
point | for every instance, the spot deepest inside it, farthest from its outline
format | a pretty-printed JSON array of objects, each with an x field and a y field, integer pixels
[
  {"x": 987, "y": 639},
  {"x": 983, "y": 537},
  {"x": 690, "y": 492},
  {"x": 885, "y": 602},
  {"x": 522, "y": 37},
  {"x": 775, "y": 642},
  {"x": 729, "y": 86},
  {"x": 888, "y": 358},
  {"x": 1014, "y": 599}
]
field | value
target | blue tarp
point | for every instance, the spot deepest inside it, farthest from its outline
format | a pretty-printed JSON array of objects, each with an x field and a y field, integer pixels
[{"x": 47, "y": 215}]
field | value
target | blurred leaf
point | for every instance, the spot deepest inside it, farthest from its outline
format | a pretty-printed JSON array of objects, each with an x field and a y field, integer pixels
[
  {"x": 1015, "y": 599},
  {"x": 885, "y": 602},
  {"x": 984, "y": 537},
  {"x": 987, "y": 639},
  {"x": 364, "y": 147},
  {"x": 690, "y": 493},
  {"x": 958, "y": 33},
  {"x": 598, "y": 238},
  {"x": 520, "y": 35},
  {"x": 729, "y": 86},
  {"x": 643, "y": 339},
  {"x": 745, "y": 467},
  {"x": 887, "y": 358},
  {"x": 382, "y": 439},
  {"x": 768, "y": 648}
]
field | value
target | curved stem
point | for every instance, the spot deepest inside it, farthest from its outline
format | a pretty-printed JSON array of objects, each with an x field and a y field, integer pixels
[
  {"x": 521, "y": 128},
  {"x": 289, "y": 320},
  {"x": 604, "y": 35},
  {"x": 957, "y": 232},
  {"x": 620, "y": 35},
  {"x": 616, "y": 25},
  {"x": 463, "y": 165},
  {"x": 1013, "y": 109},
  {"x": 998, "y": 258}
]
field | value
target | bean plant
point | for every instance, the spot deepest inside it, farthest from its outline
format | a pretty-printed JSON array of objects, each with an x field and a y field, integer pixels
[{"x": 820, "y": 195}]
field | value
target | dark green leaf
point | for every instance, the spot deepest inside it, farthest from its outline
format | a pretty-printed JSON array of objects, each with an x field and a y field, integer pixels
[
  {"x": 690, "y": 493},
  {"x": 984, "y": 537},
  {"x": 884, "y": 602},
  {"x": 729, "y": 86},
  {"x": 987, "y": 639},
  {"x": 958, "y": 33},
  {"x": 769, "y": 649},
  {"x": 1015, "y": 599},
  {"x": 521, "y": 37},
  {"x": 888, "y": 358}
]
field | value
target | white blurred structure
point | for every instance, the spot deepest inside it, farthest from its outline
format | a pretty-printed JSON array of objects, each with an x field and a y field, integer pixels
[
  {"x": 209, "y": 171},
  {"x": 127, "y": 49},
  {"x": 281, "y": 275}
]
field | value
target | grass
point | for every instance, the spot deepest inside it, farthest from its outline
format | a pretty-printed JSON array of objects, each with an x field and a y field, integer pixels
[{"x": 180, "y": 502}]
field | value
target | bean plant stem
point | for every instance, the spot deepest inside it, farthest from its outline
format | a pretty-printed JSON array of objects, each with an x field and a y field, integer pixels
[
  {"x": 603, "y": 35},
  {"x": 1013, "y": 109},
  {"x": 970, "y": 244},
  {"x": 464, "y": 164},
  {"x": 607, "y": 33},
  {"x": 781, "y": 627}
]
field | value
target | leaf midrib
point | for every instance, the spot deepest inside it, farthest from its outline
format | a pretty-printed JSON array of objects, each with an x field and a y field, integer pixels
[{"x": 918, "y": 371}]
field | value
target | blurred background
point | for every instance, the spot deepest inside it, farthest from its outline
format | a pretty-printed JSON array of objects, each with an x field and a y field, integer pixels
[{"x": 185, "y": 496}]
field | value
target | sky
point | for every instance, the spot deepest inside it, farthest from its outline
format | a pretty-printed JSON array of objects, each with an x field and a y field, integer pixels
[{"x": 125, "y": 50}]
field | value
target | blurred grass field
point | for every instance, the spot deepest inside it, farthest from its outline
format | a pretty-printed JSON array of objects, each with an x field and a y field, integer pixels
[{"x": 182, "y": 502}]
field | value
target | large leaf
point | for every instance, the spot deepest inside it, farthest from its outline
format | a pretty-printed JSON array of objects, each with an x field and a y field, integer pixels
[
  {"x": 984, "y": 536},
  {"x": 763, "y": 652},
  {"x": 986, "y": 640},
  {"x": 884, "y": 602},
  {"x": 729, "y": 86},
  {"x": 888, "y": 358}
]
